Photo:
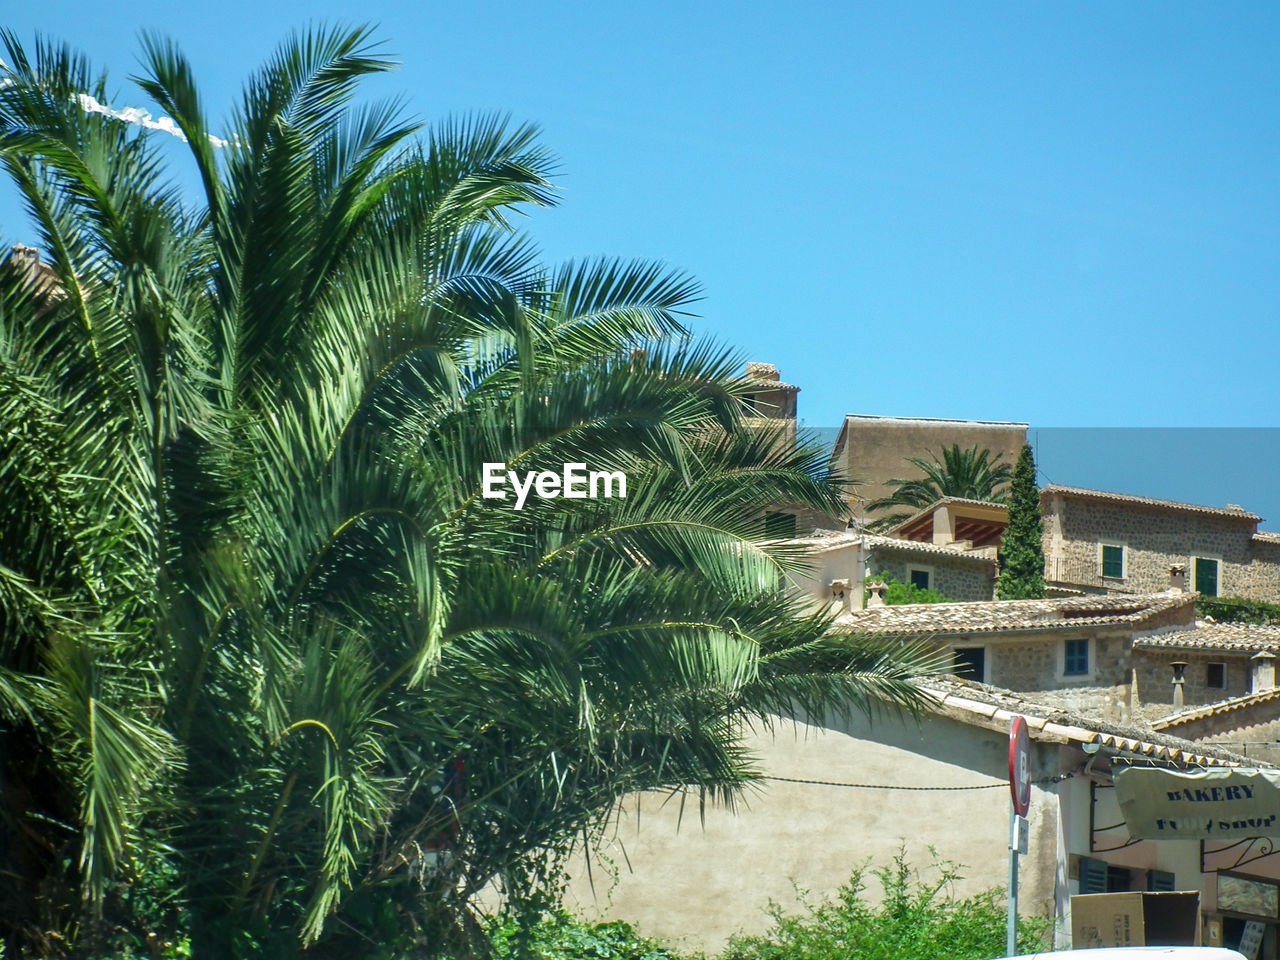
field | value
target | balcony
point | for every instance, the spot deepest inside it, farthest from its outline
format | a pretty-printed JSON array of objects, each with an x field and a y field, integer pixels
[{"x": 1081, "y": 573}]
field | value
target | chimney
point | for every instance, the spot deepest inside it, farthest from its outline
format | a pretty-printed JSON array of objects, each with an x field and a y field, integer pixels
[
  {"x": 761, "y": 371},
  {"x": 840, "y": 594},
  {"x": 1179, "y": 670},
  {"x": 1178, "y": 577},
  {"x": 1263, "y": 664},
  {"x": 875, "y": 593}
]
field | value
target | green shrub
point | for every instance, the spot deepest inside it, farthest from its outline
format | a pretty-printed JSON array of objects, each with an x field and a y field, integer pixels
[
  {"x": 916, "y": 920},
  {"x": 561, "y": 936},
  {"x": 899, "y": 592},
  {"x": 1239, "y": 610}
]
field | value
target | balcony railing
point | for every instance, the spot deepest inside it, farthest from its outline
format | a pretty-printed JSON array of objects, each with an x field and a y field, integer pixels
[{"x": 1082, "y": 573}]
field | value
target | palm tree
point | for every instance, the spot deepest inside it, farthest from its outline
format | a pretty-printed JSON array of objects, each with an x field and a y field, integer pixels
[
  {"x": 970, "y": 474},
  {"x": 272, "y": 669}
]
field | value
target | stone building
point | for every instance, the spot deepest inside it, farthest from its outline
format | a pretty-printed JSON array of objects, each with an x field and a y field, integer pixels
[
  {"x": 1100, "y": 541},
  {"x": 1074, "y": 652},
  {"x": 838, "y": 563},
  {"x": 870, "y": 451}
]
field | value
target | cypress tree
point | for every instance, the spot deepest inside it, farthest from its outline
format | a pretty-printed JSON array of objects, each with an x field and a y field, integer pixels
[{"x": 1022, "y": 556}]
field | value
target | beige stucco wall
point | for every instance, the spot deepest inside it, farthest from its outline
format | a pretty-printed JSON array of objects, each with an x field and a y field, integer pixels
[
  {"x": 699, "y": 882},
  {"x": 813, "y": 580},
  {"x": 1154, "y": 538},
  {"x": 875, "y": 449}
]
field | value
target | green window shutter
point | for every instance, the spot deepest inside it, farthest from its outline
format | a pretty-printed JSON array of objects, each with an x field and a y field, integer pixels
[
  {"x": 1112, "y": 561},
  {"x": 1093, "y": 876},
  {"x": 1207, "y": 577},
  {"x": 1160, "y": 880},
  {"x": 1075, "y": 657}
]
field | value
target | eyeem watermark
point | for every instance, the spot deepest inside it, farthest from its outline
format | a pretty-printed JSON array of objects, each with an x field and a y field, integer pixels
[{"x": 575, "y": 482}]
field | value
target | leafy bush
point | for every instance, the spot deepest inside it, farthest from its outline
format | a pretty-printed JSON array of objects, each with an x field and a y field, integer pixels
[
  {"x": 899, "y": 592},
  {"x": 916, "y": 920},
  {"x": 560, "y": 936},
  {"x": 1238, "y": 610}
]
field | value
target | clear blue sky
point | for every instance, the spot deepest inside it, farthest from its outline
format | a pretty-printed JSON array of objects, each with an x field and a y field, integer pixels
[{"x": 1065, "y": 214}]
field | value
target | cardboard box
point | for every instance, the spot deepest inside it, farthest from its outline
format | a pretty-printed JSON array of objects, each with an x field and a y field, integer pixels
[{"x": 1135, "y": 920}]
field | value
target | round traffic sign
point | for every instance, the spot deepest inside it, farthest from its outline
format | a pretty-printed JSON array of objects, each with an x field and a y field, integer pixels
[{"x": 1019, "y": 766}]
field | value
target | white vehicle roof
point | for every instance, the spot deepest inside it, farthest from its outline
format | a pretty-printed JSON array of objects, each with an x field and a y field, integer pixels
[{"x": 1141, "y": 953}]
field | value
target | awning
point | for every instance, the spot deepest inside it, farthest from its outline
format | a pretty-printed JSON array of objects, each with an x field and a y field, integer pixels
[{"x": 1229, "y": 803}]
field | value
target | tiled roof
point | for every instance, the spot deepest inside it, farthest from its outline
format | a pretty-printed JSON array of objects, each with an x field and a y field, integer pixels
[
  {"x": 877, "y": 542},
  {"x": 1229, "y": 705},
  {"x": 974, "y": 423},
  {"x": 994, "y": 708},
  {"x": 765, "y": 376},
  {"x": 1235, "y": 513},
  {"x": 1220, "y": 637},
  {"x": 823, "y": 541},
  {"x": 945, "y": 501},
  {"x": 1267, "y": 536},
  {"x": 1011, "y": 616}
]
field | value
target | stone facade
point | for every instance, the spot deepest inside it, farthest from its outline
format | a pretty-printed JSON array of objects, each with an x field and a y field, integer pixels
[
  {"x": 875, "y": 450},
  {"x": 1253, "y": 732},
  {"x": 1154, "y": 537},
  {"x": 1036, "y": 665},
  {"x": 956, "y": 578},
  {"x": 1153, "y": 679}
]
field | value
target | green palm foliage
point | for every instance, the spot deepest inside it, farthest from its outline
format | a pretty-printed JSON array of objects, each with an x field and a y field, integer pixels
[
  {"x": 970, "y": 474},
  {"x": 261, "y": 636}
]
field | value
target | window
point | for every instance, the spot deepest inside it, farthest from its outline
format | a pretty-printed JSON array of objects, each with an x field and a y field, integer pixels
[
  {"x": 920, "y": 578},
  {"x": 1247, "y": 895},
  {"x": 970, "y": 663},
  {"x": 779, "y": 526},
  {"x": 1075, "y": 660},
  {"x": 1160, "y": 880},
  {"x": 1206, "y": 573},
  {"x": 1113, "y": 561},
  {"x": 1215, "y": 676},
  {"x": 1097, "y": 876}
]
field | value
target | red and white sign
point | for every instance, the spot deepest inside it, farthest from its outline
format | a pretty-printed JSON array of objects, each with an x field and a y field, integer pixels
[{"x": 1019, "y": 766}]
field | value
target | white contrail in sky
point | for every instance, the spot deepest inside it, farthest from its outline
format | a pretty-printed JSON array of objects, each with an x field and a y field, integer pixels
[
  {"x": 139, "y": 117},
  {"x": 135, "y": 115}
]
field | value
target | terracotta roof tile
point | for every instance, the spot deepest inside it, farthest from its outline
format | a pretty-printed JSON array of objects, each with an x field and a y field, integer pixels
[
  {"x": 1223, "y": 637},
  {"x": 822, "y": 541},
  {"x": 993, "y": 707},
  {"x": 1229, "y": 705},
  {"x": 1012, "y": 616},
  {"x": 1235, "y": 513}
]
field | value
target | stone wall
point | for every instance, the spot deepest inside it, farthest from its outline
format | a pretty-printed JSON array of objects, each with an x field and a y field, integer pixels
[
  {"x": 1253, "y": 731},
  {"x": 875, "y": 450},
  {"x": 1155, "y": 538},
  {"x": 1033, "y": 664},
  {"x": 1153, "y": 679},
  {"x": 954, "y": 578},
  {"x": 1261, "y": 579}
]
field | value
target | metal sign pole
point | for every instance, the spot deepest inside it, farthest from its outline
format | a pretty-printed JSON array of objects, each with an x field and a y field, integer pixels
[
  {"x": 1020, "y": 797},
  {"x": 1011, "y": 924}
]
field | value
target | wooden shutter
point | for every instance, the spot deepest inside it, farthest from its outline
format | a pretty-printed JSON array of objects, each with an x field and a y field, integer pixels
[{"x": 1093, "y": 876}]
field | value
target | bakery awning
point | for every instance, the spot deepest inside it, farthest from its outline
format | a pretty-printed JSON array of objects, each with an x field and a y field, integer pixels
[{"x": 1227, "y": 803}]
